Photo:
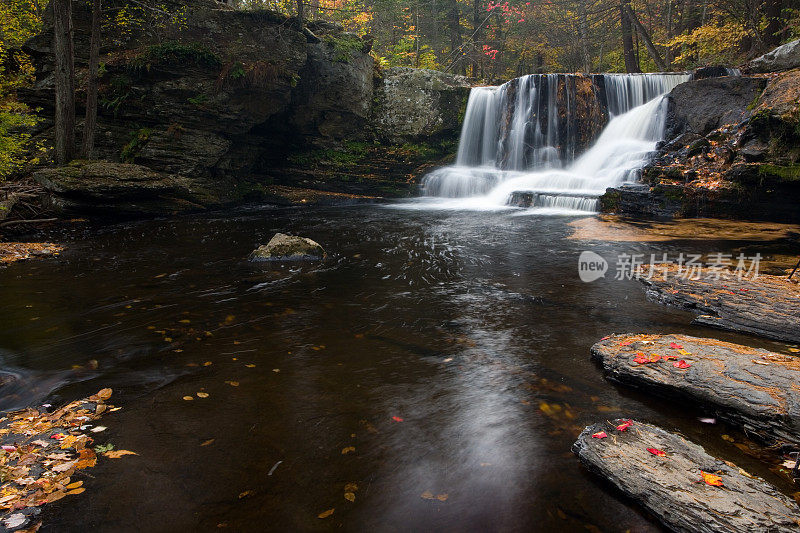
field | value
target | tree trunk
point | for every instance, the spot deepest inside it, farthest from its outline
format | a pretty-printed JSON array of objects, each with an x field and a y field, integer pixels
[
  {"x": 773, "y": 11},
  {"x": 631, "y": 64},
  {"x": 64, "y": 81},
  {"x": 476, "y": 35},
  {"x": 300, "y": 11},
  {"x": 454, "y": 28},
  {"x": 645, "y": 37},
  {"x": 90, "y": 123}
]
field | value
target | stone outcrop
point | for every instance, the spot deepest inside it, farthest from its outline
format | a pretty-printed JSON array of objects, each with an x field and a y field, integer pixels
[
  {"x": 784, "y": 57},
  {"x": 672, "y": 487},
  {"x": 732, "y": 150},
  {"x": 236, "y": 101},
  {"x": 282, "y": 247},
  {"x": 767, "y": 306},
  {"x": 753, "y": 389}
]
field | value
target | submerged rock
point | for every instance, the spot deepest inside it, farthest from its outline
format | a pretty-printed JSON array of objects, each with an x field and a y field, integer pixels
[
  {"x": 284, "y": 247},
  {"x": 783, "y": 57},
  {"x": 751, "y": 388},
  {"x": 672, "y": 486}
]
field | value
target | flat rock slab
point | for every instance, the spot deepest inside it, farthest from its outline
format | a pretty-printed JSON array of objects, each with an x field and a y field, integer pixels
[
  {"x": 754, "y": 389},
  {"x": 672, "y": 487},
  {"x": 768, "y": 306}
]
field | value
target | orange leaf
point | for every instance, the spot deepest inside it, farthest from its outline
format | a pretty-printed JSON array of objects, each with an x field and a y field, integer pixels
[
  {"x": 641, "y": 359},
  {"x": 116, "y": 454},
  {"x": 625, "y": 343},
  {"x": 326, "y": 514},
  {"x": 655, "y": 358},
  {"x": 599, "y": 435},
  {"x": 657, "y": 452},
  {"x": 711, "y": 479}
]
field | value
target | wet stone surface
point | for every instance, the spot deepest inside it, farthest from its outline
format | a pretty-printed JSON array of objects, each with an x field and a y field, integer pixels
[
  {"x": 752, "y": 388},
  {"x": 664, "y": 473}
]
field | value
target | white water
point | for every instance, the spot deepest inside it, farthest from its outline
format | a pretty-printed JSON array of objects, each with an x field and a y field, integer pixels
[{"x": 513, "y": 141}]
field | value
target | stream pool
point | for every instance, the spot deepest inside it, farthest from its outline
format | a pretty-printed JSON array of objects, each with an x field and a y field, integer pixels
[{"x": 449, "y": 348}]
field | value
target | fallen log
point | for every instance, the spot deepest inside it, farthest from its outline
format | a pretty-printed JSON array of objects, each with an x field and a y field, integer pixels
[
  {"x": 754, "y": 389},
  {"x": 685, "y": 488}
]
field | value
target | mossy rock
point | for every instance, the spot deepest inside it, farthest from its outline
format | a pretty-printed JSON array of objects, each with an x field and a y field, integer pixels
[{"x": 284, "y": 247}]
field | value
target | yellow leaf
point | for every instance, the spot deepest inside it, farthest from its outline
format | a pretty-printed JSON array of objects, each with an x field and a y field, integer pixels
[
  {"x": 74, "y": 485},
  {"x": 207, "y": 442},
  {"x": 208, "y": 363},
  {"x": 188, "y": 398},
  {"x": 185, "y": 321},
  {"x": 442, "y": 497},
  {"x": 349, "y": 496},
  {"x": 711, "y": 479},
  {"x": 427, "y": 495},
  {"x": 202, "y": 395},
  {"x": 350, "y": 487},
  {"x": 250, "y": 365},
  {"x": 104, "y": 394},
  {"x": 233, "y": 383},
  {"x": 794, "y": 350},
  {"x": 326, "y": 514},
  {"x": 245, "y": 494},
  {"x": 116, "y": 454},
  {"x": 347, "y": 450},
  {"x": 76, "y": 491}
]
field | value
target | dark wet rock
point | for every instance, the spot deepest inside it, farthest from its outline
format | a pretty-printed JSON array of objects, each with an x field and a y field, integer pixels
[
  {"x": 120, "y": 189},
  {"x": 753, "y": 389},
  {"x": 682, "y": 141},
  {"x": 768, "y": 306},
  {"x": 784, "y": 57},
  {"x": 284, "y": 247},
  {"x": 703, "y": 105},
  {"x": 713, "y": 72},
  {"x": 672, "y": 487},
  {"x": 700, "y": 146}
]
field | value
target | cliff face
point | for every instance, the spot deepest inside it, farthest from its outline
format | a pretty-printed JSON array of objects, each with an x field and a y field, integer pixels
[
  {"x": 732, "y": 150},
  {"x": 230, "y": 103}
]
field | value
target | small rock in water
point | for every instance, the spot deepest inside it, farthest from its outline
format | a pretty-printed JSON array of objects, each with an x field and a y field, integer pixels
[{"x": 284, "y": 247}]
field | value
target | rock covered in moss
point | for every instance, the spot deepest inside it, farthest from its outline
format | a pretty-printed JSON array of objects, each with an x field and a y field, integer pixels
[{"x": 284, "y": 247}]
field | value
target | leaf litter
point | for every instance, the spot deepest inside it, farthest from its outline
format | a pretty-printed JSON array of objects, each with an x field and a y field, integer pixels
[{"x": 42, "y": 451}]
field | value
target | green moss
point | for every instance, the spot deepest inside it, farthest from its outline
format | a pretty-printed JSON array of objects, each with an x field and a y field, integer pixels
[
  {"x": 200, "y": 100},
  {"x": 344, "y": 45},
  {"x": 139, "y": 138},
  {"x": 351, "y": 153},
  {"x": 174, "y": 53},
  {"x": 784, "y": 173}
]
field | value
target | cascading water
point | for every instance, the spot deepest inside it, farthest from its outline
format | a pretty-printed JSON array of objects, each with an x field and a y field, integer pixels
[{"x": 522, "y": 137}]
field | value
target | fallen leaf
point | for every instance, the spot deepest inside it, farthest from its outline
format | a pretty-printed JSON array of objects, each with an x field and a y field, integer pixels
[
  {"x": 684, "y": 352},
  {"x": 245, "y": 494},
  {"x": 104, "y": 394},
  {"x": 681, "y": 364},
  {"x": 625, "y": 343},
  {"x": 250, "y": 365},
  {"x": 657, "y": 452},
  {"x": 349, "y": 496},
  {"x": 347, "y": 450},
  {"x": 14, "y": 521},
  {"x": 116, "y": 454},
  {"x": 675, "y": 346},
  {"x": 202, "y": 395},
  {"x": 759, "y": 362},
  {"x": 794, "y": 350},
  {"x": 711, "y": 479},
  {"x": 276, "y": 369},
  {"x": 208, "y": 363},
  {"x": 207, "y": 442},
  {"x": 708, "y": 420},
  {"x": 350, "y": 487},
  {"x": 233, "y": 383},
  {"x": 326, "y": 514},
  {"x": 397, "y": 419},
  {"x": 789, "y": 464},
  {"x": 74, "y": 485},
  {"x": 188, "y": 398},
  {"x": 76, "y": 491},
  {"x": 427, "y": 495},
  {"x": 625, "y": 425},
  {"x": 599, "y": 435},
  {"x": 98, "y": 429},
  {"x": 654, "y": 358},
  {"x": 442, "y": 497},
  {"x": 727, "y": 438}
]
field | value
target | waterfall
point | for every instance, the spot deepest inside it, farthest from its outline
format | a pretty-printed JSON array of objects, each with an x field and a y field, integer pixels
[{"x": 522, "y": 138}]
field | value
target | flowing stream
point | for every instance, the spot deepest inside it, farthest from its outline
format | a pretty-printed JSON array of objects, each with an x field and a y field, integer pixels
[
  {"x": 523, "y": 137},
  {"x": 474, "y": 330}
]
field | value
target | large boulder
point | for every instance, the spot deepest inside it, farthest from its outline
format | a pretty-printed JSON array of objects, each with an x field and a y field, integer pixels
[
  {"x": 668, "y": 476},
  {"x": 783, "y": 57},
  {"x": 284, "y": 247},
  {"x": 701, "y": 106},
  {"x": 751, "y": 388},
  {"x": 120, "y": 189},
  {"x": 416, "y": 104}
]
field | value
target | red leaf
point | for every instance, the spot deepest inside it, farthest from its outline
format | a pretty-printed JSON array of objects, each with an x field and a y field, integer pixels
[
  {"x": 655, "y": 358},
  {"x": 625, "y": 343},
  {"x": 669, "y": 357},
  {"x": 625, "y": 425},
  {"x": 397, "y": 419},
  {"x": 599, "y": 435},
  {"x": 675, "y": 346},
  {"x": 641, "y": 359},
  {"x": 657, "y": 452},
  {"x": 681, "y": 364},
  {"x": 606, "y": 338}
]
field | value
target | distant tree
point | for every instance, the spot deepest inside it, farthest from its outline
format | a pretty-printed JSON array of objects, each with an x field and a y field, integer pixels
[{"x": 64, "y": 81}]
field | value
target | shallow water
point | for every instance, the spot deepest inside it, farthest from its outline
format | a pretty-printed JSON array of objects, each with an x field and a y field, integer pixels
[{"x": 472, "y": 327}]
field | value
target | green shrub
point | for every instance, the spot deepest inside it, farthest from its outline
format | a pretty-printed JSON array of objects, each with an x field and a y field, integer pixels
[
  {"x": 138, "y": 139},
  {"x": 15, "y": 139}
]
